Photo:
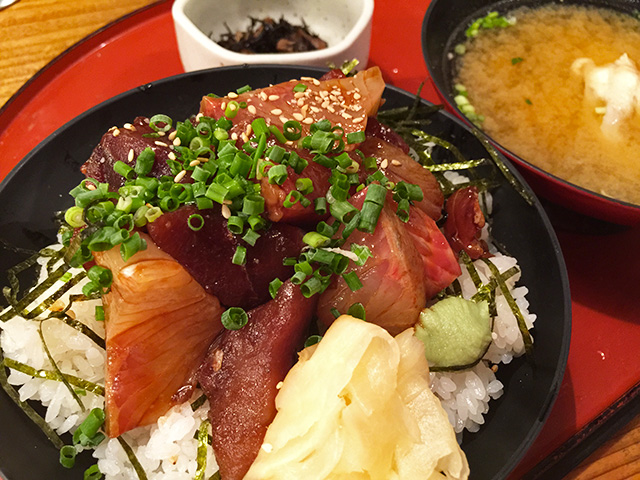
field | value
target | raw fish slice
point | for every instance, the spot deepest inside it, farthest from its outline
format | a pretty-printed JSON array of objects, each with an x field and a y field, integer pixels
[
  {"x": 241, "y": 372},
  {"x": 441, "y": 266},
  {"x": 115, "y": 146},
  {"x": 159, "y": 324},
  {"x": 275, "y": 195},
  {"x": 464, "y": 223},
  {"x": 393, "y": 291},
  {"x": 400, "y": 166},
  {"x": 207, "y": 254},
  {"x": 347, "y": 102}
]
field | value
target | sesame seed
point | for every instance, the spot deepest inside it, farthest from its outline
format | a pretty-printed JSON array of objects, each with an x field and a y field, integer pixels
[
  {"x": 160, "y": 134},
  {"x": 325, "y": 104},
  {"x": 172, "y": 155},
  {"x": 112, "y": 129},
  {"x": 331, "y": 109},
  {"x": 308, "y": 121},
  {"x": 217, "y": 360},
  {"x": 358, "y": 120},
  {"x": 333, "y": 98},
  {"x": 227, "y": 202},
  {"x": 304, "y": 109},
  {"x": 316, "y": 81},
  {"x": 397, "y": 163},
  {"x": 283, "y": 119},
  {"x": 314, "y": 109},
  {"x": 115, "y": 132},
  {"x": 263, "y": 96},
  {"x": 298, "y": 95},
  {"x": 199, "y": 116},
  {"x": 267, "y": 447},
  {"x": 194, "y": 163},
  {"x": 356, "y": 96},
  {"x": 202, "y": 159},
  {"x": 180, "y": 176},
  {"x": 232, "y": 95},
  {"x": 248, "y": 130},
  {"x": 308, "y": 79},
  {"x": 273, "y": 98},
  {"x": 177, "y": 141},
  {"x": 160, "y": 144},
  {"x": 252, "y": 109},
  {"x": 90, "y": 186},
  {"x": 384, "y": 163},
  {"x": 346, "y": 116},
  {"x": 276, "y": 111},
  {"x": 172, "y": 135},
  {"x": 298, "y": 116},
  {"x": 232, "y": 107},
  {"x": 130, "y": 156},
  {"x": 226, "y": 211},
  {"x": 245, "y": 138},
  {"x": 300, "y": 102},
  {"x": 234, "y": 136},
  {"x": 128, "y": 126},
  {"x": 223, "y": 105},
  {"x": 279, "y": 385}
]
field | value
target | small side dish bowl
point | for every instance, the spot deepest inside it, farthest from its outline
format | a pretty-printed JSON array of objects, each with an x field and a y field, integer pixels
[
  {"x": 345, "y": 26},
  {"x": 444, "y": 29}
]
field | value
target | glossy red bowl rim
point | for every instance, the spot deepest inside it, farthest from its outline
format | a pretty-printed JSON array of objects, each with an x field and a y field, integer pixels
[{"x": 547, "y": 185}]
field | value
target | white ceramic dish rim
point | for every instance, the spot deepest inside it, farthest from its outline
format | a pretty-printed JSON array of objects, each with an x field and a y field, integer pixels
[{"x": 177, "y": 10}]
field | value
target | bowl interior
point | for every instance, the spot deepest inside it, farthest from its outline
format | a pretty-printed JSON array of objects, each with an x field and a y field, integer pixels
[
  {"x": 444, "y": 27},
  {"x": 331, "y": 20}
]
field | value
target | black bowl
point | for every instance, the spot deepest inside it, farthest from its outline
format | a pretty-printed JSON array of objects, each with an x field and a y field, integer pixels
[
  {"x": 38, "y": 186},
  {"x": 444, "y": 27}
]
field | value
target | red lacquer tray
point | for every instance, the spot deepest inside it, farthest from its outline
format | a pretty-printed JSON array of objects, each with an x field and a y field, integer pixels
[{"x": 603, "y": 368}]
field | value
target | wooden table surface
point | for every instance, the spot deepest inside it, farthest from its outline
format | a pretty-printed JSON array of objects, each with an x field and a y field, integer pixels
[{"x": 33, "y": 32}]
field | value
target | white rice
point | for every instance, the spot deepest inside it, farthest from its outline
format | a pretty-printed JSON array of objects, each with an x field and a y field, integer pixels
[{"x": 167, "y": 449}]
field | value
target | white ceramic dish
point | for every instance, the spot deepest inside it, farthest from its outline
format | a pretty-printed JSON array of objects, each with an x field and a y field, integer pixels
[{"x": 344, "y": 24}]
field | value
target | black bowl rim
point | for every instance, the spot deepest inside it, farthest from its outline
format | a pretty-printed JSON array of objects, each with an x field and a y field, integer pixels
[
  {"x": 444, "y": 92},
  {"x": 561, "y": 363}
]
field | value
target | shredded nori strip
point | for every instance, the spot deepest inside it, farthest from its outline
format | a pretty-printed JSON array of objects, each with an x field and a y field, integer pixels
[
  {"x": 442, "y": 167},
  {"x": 61, "y": 376},
  {"x": 51, "y": 375},
  {"x": 471, "y": 268},
  {"x": 522, "y": 326},
  {"x": 142, "y": 475},
  {"x": 26, "y": 408},
  {"x": 215, "y": 476},
  {"x": 513, "y": 181},
  {"x": 203, "y": 442},
  {"x": 198, "y": 402}
]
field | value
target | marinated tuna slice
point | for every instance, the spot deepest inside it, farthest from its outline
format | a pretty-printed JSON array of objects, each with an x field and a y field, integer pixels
[
  {"x": 441, "y": 266},
  {"x": 157, "y": 316},
  {"x": 398, "y": 166},
  {"x": 464, "y": 223},
  {"x": 381, "y": 131},
  {"x": 116, "y": 144},
  {"x": 207, "y": 254},
  {"x": 241, "y": 372},
  {"x": 347, "y": 102},
  {"x": 393, "y": 291}
]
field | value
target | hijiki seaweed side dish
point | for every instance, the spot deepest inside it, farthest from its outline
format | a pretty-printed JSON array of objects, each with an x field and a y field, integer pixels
[{"x": 224, "y": 286}]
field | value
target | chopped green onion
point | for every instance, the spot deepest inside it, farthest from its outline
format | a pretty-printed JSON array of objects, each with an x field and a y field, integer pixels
[
  {"x": 300, "y": 87},
  {"x": 235, "y": 224},
  {"x": 356, "y": 137},
  {"x": 99, "y": 313},
  {"x": 232, "y": 109},
  {"x": 74, "y": 217},
  {"x": 253, "y": 205},
  {"x": 274, "y": 287},
  {"x": 312, "y": 340},
  {"x": 277, "y": 133},
  {"x": 304, "y": 185},
  {"x": 240, "y": 255},
  {"x": 259, "y": 127},
  {"x": 320, "y": 206},
  {"x": 292, "y": 130},
  {"x": 145, "y": 161},
  {"x": 357, "y": 310},
  {"x": 251, "y": 237},
  {"x": 195, "y": 222},
  {"x": 68, "y": 456},
  {"x": 159, "y": 118},
  {"x": 131, "y": 246},
  {"x": 352, "y": 280},
  {"x": 315, "y": 240},
  {"x": 277, "y": 174},
  {"x": 311, "y": 287},
  {"x": 245, "y": 89},
  {"x": 234, "y": 318},
  {"x": 92, "y": 473},
  {"x": 292, "y": 198}
]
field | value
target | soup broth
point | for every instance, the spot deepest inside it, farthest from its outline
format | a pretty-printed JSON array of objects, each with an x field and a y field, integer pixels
[{"x": 520, "y": 79}]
